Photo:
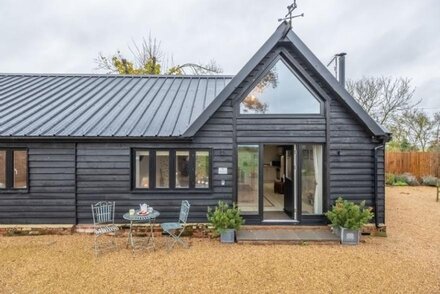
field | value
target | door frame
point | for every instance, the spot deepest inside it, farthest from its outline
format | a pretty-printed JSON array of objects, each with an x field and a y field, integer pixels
[{"x": 300, "y": 219}]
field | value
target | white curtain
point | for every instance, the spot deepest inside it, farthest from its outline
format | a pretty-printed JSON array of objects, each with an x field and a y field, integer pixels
[{"x": 317, "y": 163}]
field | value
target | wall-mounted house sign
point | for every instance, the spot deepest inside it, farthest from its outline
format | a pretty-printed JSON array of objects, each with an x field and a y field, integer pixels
[{"x": 222, "y": 170}]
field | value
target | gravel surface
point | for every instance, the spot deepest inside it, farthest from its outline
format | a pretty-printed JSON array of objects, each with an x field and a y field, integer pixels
[{"x": 408, "y": 260}]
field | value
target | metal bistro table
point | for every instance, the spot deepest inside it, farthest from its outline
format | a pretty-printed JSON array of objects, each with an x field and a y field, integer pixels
[{"x": 149, "y": 218}]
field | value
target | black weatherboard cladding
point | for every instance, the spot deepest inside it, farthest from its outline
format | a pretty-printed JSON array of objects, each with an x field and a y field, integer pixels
[{"x": 81, "y": 135}]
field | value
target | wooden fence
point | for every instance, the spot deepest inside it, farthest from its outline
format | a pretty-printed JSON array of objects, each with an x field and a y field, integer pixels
[{"x": 417, "y": 163}]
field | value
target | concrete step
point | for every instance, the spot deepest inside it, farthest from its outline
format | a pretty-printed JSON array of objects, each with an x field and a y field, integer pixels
[{"x": 288, "y": 235}]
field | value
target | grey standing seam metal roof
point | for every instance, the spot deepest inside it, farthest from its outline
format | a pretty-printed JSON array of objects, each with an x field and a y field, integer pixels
[{"x": 48, "y": 105}]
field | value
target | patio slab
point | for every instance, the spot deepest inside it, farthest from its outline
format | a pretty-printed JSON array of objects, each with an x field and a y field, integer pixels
[{"x": 286, "y": 236}]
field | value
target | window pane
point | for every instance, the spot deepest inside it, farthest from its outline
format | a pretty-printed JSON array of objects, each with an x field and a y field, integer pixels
[
  {"x": 162, "y": 169},
  {"x": 311, "y": 179},
  {"x": 182, "y": 169},
  {"x": 20, "y": 169},
  {"x": 142, "y": 169},
  {"x": 202, "y": 169},
  {"x": 248, "y": 161},
  {"x": 280, "y": 92},
  {"x": 2, "y": 169}
]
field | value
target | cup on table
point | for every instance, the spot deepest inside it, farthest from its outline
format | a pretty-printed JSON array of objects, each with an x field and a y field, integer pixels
[{"x": 131, "y": 212}]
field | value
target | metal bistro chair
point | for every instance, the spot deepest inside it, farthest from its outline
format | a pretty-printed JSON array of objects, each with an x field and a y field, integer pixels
[
  {"x": 104, "y": 222},
  {"x": 173, "y": 228}
]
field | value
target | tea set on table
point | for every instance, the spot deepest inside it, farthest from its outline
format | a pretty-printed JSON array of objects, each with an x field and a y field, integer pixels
[{"x": 144, "y": 210}]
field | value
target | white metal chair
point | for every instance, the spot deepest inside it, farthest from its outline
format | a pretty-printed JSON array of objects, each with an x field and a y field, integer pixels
[
  {"x": 104, "y": 222},
  {"x": 175, "y": 230}
]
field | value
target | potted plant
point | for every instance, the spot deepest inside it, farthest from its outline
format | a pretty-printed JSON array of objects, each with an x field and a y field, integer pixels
[
  {"x": 348, "y": 218},
  {"x": 226, "y": 220}
]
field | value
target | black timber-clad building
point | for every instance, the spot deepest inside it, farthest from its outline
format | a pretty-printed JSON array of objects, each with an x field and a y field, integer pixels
[{"x": 282, "y": 138}]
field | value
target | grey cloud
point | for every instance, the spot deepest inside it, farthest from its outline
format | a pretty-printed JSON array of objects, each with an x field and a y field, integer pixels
[{"x": 398, "y": 38}]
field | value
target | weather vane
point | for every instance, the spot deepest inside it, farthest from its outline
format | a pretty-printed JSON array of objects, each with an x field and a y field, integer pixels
[{"x": 289, "y": 16}]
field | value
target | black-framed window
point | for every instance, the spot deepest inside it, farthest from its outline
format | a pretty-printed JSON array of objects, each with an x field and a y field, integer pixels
[
  {"x": 13, "y": 169},
  {"x": 183, "y": 169},
  {"x": 171, "y": 169},
  {"x": 202, "y": 169},
  {"x": 281, "y": 92}
]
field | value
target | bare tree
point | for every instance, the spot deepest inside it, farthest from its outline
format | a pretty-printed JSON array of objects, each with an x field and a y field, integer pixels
[
  {"x": 148, "y": 58},
  {"x": 419, "y": 127},
  {"x": 384, "y": 98}
]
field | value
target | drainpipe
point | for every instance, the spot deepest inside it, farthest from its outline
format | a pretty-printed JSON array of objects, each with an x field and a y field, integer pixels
[{"x": 376, "y": 182}]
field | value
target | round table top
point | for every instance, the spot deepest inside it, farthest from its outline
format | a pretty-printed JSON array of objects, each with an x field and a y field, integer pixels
[{"x": 136, "y": 217}]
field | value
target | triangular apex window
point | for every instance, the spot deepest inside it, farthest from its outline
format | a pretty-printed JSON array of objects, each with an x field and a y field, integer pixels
[{"x": 280, "y": 92}]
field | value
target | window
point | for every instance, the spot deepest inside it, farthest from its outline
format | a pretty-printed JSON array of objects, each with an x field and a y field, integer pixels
[
  {"x": 13, "y": 169},
  {"x": 182, "y": 169},
  {"x": 162, "y": 169},
  {"x": 171, "y": 169},
  {"x": 311, "y": 179},
  {"x": 2, "y": 169},
  {"x": 142, "y": 169},
  {"x": 202, "y": 169},
  {"x": 248, "y": 178},
  {"x": 280, "y": 91}
]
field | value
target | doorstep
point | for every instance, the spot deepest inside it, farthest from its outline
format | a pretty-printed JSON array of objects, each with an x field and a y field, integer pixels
[{"x": 289, "y": 235}]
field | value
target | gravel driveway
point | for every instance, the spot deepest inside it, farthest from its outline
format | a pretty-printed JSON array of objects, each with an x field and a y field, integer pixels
[{"x": 408, "y": 260}]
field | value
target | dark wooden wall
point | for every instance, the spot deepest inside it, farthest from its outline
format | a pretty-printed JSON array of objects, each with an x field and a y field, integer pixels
[
  {"x": 351, "y": 160},
  {"x": 51, "y": 196},
  {"x": 104, "y": 174},
  {"x": 103, "y": 169}
]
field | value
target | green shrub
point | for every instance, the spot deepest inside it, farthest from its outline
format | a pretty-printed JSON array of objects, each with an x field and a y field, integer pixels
[
  {"x": 407, "y": 178},
  {"x": 400, "y": 183},
  {"x": 390, "y": 178},
  {"x": 347, "y": 214},
  {"x": 224, "y": 217},
  {"x": 430, "y": 181}
]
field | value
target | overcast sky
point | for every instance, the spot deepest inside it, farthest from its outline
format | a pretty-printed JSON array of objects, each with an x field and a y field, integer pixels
[{"x": 392, "y": 38}]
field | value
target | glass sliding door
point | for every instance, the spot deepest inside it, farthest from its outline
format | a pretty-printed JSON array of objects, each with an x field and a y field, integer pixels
[
  {"x": 311, "y": 179},
  {"x": 248, "y": 179}
]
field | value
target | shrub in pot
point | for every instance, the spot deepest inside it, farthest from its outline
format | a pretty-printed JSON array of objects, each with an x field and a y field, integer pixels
[
  {"x": 226, "y": 220},
  {"x": 349, "y": 218}
]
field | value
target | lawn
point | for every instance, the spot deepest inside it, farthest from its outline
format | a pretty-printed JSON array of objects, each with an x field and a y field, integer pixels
[{"x": 408, "y": 260}]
